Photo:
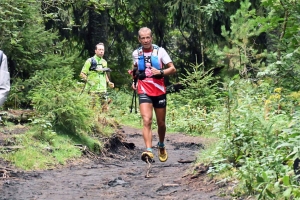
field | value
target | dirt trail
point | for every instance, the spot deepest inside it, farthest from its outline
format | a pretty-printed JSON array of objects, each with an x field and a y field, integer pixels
[{"x": 120, "y": 175}]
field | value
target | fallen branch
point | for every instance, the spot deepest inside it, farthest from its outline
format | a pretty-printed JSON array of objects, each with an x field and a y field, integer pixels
[
  {"x": 185, "y": 161},
  {"x": 10, "y": 148},
  {"x": 7, "y": 169},
  {"x": 86, "y": 151},
  {"x": 171, "y": 185}
]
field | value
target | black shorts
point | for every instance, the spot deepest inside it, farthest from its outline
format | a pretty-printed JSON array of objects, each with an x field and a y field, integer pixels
[{"x": 157, "y": 102}]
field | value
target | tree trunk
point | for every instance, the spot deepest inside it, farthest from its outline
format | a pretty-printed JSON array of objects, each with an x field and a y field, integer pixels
[{"x": 97, "y": 30}]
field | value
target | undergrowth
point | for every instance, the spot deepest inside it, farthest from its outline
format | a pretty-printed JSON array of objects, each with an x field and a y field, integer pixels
[{"x": 255, "y": 127}]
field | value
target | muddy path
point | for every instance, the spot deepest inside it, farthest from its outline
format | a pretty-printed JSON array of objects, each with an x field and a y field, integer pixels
[{"x": 120, "y": 174}]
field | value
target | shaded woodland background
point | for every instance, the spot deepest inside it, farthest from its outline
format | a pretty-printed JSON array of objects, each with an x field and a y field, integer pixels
[{"x": 218, "y": 34}]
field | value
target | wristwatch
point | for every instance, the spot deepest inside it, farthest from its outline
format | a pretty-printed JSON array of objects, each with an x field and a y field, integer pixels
[{"x": 162, "y": 72}]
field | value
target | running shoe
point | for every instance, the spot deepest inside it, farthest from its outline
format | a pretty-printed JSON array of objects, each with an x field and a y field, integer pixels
[
  {"x": 147, "y": 155},
  {"x": 162, "y": 154}
]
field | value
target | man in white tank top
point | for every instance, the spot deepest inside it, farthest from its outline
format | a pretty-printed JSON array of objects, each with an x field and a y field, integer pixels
[{"x": 152, "y": 63}]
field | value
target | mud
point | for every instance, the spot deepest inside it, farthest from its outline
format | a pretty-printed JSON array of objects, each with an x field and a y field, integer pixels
[{"x": 120, "y": 174}]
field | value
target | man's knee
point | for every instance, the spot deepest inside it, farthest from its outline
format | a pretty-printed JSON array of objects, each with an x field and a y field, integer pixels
[
  {"x": 161, "y": 124},
  {"x": 147, "y": 122}
]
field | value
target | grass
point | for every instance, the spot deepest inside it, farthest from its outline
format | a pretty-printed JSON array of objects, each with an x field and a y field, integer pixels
[
  {"x": 41, "y": 151},
  {"x": 205, "y": 155},
  {"x": 56, "y": 145},
  {"x": 125, "y": 117},
  {"x": 29, "y": 158}
]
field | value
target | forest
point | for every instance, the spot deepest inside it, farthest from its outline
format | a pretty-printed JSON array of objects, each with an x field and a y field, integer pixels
[{"x": 237, "y": 67}]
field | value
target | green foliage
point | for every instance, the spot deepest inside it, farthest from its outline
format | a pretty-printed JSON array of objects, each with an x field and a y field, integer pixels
[
  {"x": 200, "y": 88},
  {"x": 195, "y": 12},
  {"x": 123, "y": 107},
  {"x": 283, "y": 43},
  {"x": 41, "y": 150},
  {"x": 260, "y": 135},
  {"x": 186, "y": 118},
  {"x": 187, "y": 110},
  {"x": 257, "y": 142},
  {"x": 241, "y": 52},
  {"x": 18, "y": 97},
  {"x": 25, "y": 40},
  {"x": 10, "y": 18},
  {"x": 257, "y": 123},
  {"x": 57, "y": 98},
  {"x": 29, "y": 47}
]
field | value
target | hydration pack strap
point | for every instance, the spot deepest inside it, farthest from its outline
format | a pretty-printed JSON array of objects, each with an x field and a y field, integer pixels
[
  {"x": 153, "y": 59},
  {"x": 94, "y": 64}
]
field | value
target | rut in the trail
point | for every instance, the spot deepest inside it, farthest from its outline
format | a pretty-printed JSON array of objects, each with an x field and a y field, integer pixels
[{"x": 121, "y": 174}]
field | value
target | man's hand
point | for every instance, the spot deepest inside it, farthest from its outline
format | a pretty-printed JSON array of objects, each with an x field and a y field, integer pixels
[
  {"x": 155, "y": 71},
  {"x": 111, "y": 84},
  {"x": 83, "y": 76},
  {"x": 134, "y": 85}
]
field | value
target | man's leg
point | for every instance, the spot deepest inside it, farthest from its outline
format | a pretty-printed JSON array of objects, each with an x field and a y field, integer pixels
[
  {"x": 105, "y": 101},
  {"x": 161, "y": 123},
  {"x": 146, "y": 110}
]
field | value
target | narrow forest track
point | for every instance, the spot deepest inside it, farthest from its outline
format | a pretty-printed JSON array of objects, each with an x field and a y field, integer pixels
[{"x": 120, "y": 174}]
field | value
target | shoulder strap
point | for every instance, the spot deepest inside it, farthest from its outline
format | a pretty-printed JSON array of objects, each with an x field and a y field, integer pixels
[
  {"x": 155, "y": 50},
  {"x": 93, "y": 64},
  {"x": 155, "y": 46},
  {"x": 140, "y": 51}
]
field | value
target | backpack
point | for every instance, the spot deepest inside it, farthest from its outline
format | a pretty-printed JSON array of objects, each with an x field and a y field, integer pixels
[{"x": 94, "y": 64}]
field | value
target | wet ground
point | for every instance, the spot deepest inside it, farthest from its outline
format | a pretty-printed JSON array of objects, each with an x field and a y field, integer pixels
[{"x": 120, "y": 174}]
